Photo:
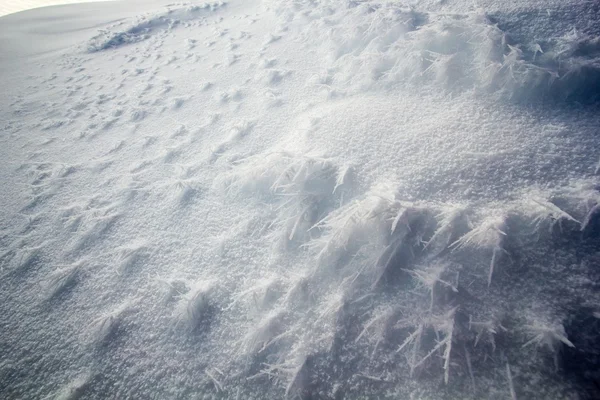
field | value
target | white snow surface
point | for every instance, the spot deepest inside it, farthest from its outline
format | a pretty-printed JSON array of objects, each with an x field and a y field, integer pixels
[
  {"x": 13, "y": 6},
  {"x": 308, "y": 199}
]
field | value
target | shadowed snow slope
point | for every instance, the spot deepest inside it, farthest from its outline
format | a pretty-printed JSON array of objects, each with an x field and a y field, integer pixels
[{"x": 301, "y": 199}]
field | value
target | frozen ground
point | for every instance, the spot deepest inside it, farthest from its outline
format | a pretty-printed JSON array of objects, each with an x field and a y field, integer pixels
[{"x": 301, "y": 199}]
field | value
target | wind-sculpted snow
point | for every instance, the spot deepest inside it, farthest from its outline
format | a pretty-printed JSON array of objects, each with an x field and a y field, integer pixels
[
  {"x": 406, "y": 280},
  {"x": 150, "y": 25},
  {"x": 303, "y": 200},
  {"x": 379, "y": 45}
]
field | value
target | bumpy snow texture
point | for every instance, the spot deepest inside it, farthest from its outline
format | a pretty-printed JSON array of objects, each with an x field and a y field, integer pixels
[{"x": 301, "y": 199}]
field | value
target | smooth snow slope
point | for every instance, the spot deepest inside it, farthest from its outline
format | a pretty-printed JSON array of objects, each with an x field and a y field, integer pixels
[
  {"x": 301, "y": 199},
  {"x": 13, "y": 6}
]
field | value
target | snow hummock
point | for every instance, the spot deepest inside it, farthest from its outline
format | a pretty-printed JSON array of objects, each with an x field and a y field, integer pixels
[{"x": 300, "y": 199}]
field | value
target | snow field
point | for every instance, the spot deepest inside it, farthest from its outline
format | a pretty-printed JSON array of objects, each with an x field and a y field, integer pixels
[{"x": 303, "y": 200}]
